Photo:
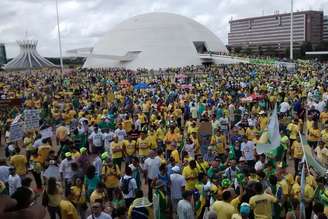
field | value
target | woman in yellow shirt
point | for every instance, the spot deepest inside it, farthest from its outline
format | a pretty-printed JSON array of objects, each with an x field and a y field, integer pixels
[
  {"x": 143, "y": 146},
  {"x": 314, "y": 135},
  {"x": 297, "y": 152},
  {"x": 117, "y": 150},
  {"x": 77, "y": 197}
]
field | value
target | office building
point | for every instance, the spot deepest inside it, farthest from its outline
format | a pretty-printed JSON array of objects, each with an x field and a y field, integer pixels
[
  {"x": 325, "y": 29},
  {"x": 272, "y": 33}
]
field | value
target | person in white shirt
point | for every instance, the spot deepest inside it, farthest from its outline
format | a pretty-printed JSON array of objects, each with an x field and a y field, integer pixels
[
  {"x": 97, "y": 163},
  {"x": 260, "y": 164},
  {"x": 14, "y": 181},
  {"x": 151, "y": 168},
  {"x": 177, "y": 185},
  {"x": 284, "y": 106},
  {"x": 97, "y": 213},
  {"x": 65, "y": 170},
  {"x": 247, "y": 148},
  {"x": 120, "y": 132},
  {"x": 185, "y": 209},
  {"x": 190, "y": 148},
  {"x": 129, "y": 186},
  {"x": 193, "y": 111},
  {"x": 108, "y": 138},
  {"x": 96, "y": 139}
]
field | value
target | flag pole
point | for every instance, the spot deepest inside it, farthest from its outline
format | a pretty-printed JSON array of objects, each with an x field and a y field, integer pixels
[{"x": 59, "y": 40}]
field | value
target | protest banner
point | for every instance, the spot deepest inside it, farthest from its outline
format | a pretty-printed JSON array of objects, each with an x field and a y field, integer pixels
[
  {"x": 32, "y": 119},
  {"x": 16, "y": 132}
]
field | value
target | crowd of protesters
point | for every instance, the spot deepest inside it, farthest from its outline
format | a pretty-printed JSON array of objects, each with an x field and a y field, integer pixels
[{"x": 181, "y": 146}]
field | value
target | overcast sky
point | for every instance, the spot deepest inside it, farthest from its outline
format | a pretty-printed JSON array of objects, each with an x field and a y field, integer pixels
[{"x": 83, "y": 22}]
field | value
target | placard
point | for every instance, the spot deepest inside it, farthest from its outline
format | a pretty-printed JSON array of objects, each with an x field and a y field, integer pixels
[
  {"x": 16, "y": 132},
  {"x": 32, "y": 119}
]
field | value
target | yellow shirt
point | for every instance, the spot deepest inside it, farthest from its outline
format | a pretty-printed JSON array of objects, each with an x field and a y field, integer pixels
[
  {"x": 314, "y": 134},
  {"x": 284, "y": 186},
  {"x": 175, "y": 155},
  {"x": 191, "y": 176},
  {"x": 262, "y": 205},
  {"x": 152, "y": 139},
  {"x": 296, "y": 191},
  {"x": 143, "y": 145},
  {"x": 324, "y": 136},
  {"x": 297, "y": 150},
  {"x": 293, "y": 129},
  {"x": 160, "y": 134},
  {"x": 67, "y": 210},
  {"x": 43, "y": 152},
  {"x": 219, "y": 142},
  {"x": 77, "y": 195},
  {"x": 223, "y": 210},
  {"x": 323, "y": 117},
  {"x": 263, "y": 122},
  {"x": 127, "y": 125},
  {"x": 111, "y": 176},
  {"x": 19, "y": 162},
  {"x": 235, "y": 202},
  {"x": 251, "y": 133},
  {"x": 117, "y": 145},
  {"x": 170, "y": 137},
  {"x": 308, "y": 192},
  {"x": 130, "y": 147}
]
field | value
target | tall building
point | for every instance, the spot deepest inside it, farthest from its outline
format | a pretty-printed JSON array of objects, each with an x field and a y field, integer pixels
[
  {"x": 325, "y": 29},
  {"x": 3, "y": 56},
  {"x": 272, "y": 32}
]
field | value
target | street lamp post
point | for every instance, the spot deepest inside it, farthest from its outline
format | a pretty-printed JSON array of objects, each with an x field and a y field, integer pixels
[
  {"x": 291, "y": 30},
  {"x": 59, "y": 40}
]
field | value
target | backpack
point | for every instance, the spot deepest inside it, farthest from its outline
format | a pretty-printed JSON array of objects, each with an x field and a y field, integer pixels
[{"x": 125, "y": 185}]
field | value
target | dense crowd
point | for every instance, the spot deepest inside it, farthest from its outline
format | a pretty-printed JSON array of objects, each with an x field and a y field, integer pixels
[{"x": 174, "y": 143}]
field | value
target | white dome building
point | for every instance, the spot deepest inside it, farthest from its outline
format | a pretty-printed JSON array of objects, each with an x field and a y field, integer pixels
[{"x": 156, "y": 40}]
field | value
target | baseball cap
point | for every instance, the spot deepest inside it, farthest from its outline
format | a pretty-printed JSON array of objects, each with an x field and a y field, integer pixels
[
  {"x": 244, "y": 209},
  {"x": 68, "y": 154},
  {"x": 83, "y": 149}
]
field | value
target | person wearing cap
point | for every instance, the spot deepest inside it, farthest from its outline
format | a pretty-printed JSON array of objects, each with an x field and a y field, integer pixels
[
  {"x": 223, "y": 209},
  {"x": 263, "y": 120},
  {"x": 110, "y": 175},
  {"x": 244, "y": 211},
  {"x": 160, "y": 200},
  {"x": 65, "y": 170},
  {"x": 141, "y": 207},
  {"x": 177, "y": 185}
]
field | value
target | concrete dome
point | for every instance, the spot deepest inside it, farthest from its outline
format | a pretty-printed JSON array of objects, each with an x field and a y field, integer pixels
[{"x": 153, "y": 41}]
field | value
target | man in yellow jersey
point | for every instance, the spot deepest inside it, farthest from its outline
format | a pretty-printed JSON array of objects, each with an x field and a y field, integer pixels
[
  {"x": 117, "y": 150},
  {"x": 190, "y": 173},
  {"x": 143, "y": 146},
  {"x": 261, "y": 203}
]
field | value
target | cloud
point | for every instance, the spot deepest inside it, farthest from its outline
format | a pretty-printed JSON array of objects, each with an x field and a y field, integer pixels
[{"x": 83, "y": 22}]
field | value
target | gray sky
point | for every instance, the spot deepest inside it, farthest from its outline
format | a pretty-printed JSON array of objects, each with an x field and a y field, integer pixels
[{"x": 83, "y": 22}]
